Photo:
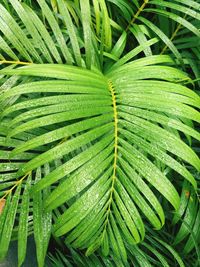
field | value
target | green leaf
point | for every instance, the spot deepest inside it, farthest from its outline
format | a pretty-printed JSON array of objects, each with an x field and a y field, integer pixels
[
  {"x": 23, "y": 223},
  {"x": 176, "y": 18},
  {"x": 71, "y": 31},
  {"x": 46, "y": 11},
  {"x": 86, "y": 20},
  {"x": 17, "y": 36},
  {"x": 41, "y": 221},
  {"x": 9, "y": 223}
]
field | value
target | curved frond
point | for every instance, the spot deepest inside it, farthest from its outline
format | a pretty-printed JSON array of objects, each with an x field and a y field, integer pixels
[{"x": 128, "y": 133}]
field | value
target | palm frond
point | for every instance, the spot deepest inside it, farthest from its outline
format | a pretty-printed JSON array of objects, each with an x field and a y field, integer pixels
[
  {"x": 98, "y": 130},
  {"x": 124, "y": 144}
]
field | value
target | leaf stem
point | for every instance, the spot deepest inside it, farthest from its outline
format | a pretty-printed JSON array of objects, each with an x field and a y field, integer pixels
[
  {"x": 14, "y": 186},
  {"x": 15, "y": 62},
  {"x": 173, "y": 35},
  {"x": 112, "y": 91},
  {"x": 136, "y": 15}
]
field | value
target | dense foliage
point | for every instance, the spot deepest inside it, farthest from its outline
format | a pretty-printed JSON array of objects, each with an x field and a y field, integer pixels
[{"x": 99, "y": 131}]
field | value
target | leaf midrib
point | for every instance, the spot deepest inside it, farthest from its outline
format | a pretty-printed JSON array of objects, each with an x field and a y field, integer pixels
[{"x": 114, "y": 103}]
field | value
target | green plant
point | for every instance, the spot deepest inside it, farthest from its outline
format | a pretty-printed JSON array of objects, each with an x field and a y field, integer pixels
[{"x": 97, "y": 131}]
